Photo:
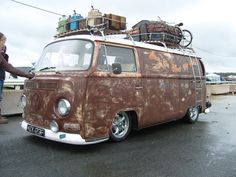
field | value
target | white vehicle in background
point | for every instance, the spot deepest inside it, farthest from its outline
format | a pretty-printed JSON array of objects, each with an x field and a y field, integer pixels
[
  {"x": 12, "y": 91},
  {"x": 16, "y": 82}
]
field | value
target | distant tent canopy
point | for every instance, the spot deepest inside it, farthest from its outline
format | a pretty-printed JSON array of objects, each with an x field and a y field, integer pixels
[{"x": 214, "y": 78}]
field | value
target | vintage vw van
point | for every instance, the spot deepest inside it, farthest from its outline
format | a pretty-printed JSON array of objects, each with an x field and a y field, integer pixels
[{"x": 88, "y": 89}]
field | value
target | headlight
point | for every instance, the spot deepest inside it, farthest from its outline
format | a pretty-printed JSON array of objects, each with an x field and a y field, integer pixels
[
  {"x": 63, "y": 107},
  {"x": 23, "y": 101}
]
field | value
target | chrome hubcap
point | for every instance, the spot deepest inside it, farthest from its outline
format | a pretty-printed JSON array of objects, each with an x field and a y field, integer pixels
[
  {"x": 193, "y": 113},
  {"x": 120, "y": 125}
]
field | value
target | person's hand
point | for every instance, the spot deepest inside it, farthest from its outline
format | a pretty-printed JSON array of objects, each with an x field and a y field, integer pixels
[{"x": 30, "y": 75}]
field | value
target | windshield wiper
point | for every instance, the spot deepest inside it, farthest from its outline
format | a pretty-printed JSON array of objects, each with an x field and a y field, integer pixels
[{"x": 46, "y": 68}]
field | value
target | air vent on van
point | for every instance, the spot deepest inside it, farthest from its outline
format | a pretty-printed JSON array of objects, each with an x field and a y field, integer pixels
[{"x": 41, "y": 85}]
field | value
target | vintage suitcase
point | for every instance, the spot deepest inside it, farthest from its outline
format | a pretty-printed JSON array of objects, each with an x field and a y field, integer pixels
[
  {"x": 115, "y": 22},
  {"x": 158, "y": 31},
  {"x": 94, "y": 17},
  {"x": 74, "y": 21},
  {"x": 163, "y": 32},
  {"x": 83, "y": 23},
  {"x": 141, "y": 28},
  {"x": 62, "y": 24},
  {"x": 122, "y": 23}
]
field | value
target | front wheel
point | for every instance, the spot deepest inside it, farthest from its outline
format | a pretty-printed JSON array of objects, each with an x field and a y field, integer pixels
[
  {"x": 121, "y": 127},
  {"x": 192, "y": 114}
]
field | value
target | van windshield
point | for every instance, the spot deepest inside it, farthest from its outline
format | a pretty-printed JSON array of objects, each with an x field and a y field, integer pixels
[{"x": 66, "y": 55}]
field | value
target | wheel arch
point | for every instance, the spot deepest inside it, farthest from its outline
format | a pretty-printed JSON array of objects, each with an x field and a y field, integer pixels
[
  {"x": 133, "y": 115},
  {"x": 134, "y": 119}
]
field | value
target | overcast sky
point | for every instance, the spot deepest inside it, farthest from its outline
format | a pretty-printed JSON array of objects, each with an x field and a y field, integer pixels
[{"x": 212, "y": 23}]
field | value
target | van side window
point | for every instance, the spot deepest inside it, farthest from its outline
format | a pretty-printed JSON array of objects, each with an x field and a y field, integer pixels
[{"x": 111, "y": 54}]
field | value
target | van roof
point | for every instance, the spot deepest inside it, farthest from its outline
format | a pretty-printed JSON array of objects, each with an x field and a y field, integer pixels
[{"x": 128, "y": 42}]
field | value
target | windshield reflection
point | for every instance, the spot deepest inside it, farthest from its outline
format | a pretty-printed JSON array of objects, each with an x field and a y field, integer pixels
[{"x": 66, "y": 55}]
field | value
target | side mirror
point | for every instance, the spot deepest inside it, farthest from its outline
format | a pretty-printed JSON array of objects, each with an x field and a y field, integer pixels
[{"x": 116, "y": 68}]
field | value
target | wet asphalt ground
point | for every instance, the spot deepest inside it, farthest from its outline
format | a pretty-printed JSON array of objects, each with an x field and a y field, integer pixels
[{"x": 176, "y": 149}]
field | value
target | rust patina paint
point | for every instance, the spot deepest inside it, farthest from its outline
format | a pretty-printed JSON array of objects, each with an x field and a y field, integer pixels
[
  {"x": 161, "y": 90},
  {"x": 42, "y": 102},
  {"x": 168, "y": 90}
]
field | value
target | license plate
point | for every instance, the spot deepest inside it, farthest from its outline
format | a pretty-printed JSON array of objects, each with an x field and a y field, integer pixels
[{"x": 36, "y": 130}]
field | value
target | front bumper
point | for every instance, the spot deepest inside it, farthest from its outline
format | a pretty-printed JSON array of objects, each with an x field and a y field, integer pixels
[{"x": 63, "y": 137}]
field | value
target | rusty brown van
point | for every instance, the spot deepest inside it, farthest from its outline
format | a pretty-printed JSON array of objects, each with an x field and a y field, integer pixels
[{"x": 88, "y": 89}]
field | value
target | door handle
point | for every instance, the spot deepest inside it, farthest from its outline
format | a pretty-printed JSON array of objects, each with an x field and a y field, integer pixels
[{"x": 138, "y": 88}]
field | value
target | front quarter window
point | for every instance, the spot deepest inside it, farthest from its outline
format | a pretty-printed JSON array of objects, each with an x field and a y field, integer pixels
[{"x": 66, "y": 55}]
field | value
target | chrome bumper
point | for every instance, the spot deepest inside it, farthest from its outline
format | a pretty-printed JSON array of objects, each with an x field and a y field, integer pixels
[{"x": 63, "y": 137}]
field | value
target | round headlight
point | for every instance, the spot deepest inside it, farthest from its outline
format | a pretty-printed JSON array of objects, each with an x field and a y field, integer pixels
[
  {"x": 54, "y": 126},
  {"x": 23, "y": 101},
  {"x": 63, "y": 107}
]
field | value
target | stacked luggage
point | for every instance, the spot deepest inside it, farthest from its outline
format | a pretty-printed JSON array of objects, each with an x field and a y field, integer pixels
[
  {"x": 154, "y": 32},
  {"x": 150, "y": 31},
  {"x": 94, "y": 19}
]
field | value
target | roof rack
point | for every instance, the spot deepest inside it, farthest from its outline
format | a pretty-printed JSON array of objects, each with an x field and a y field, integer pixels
[
  {"x": 94, "y": 30},
  {"x": 101, "y": 30}
]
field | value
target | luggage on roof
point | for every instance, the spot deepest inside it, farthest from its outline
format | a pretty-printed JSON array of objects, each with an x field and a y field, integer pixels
[
  {"x": 76, "y": 24},
  {"x": 146, "y": 30},
  {"x": 97, "y": 23}
]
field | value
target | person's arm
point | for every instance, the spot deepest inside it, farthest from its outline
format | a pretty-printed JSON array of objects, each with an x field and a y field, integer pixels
[{"x": 11, "y": 69}]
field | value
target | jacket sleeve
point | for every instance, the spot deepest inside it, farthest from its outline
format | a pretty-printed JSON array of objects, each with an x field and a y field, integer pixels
[{"x": 11, "y": 69}]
